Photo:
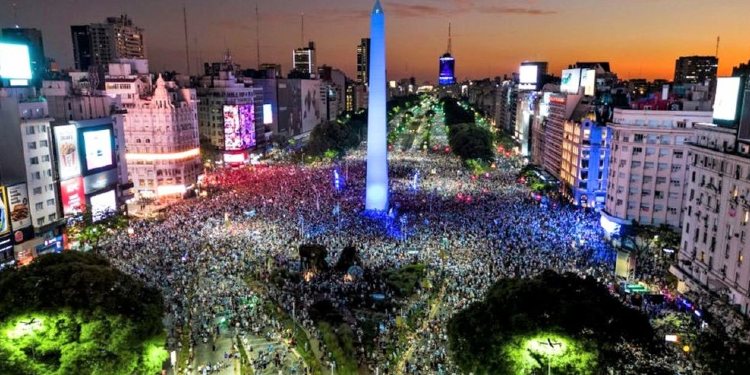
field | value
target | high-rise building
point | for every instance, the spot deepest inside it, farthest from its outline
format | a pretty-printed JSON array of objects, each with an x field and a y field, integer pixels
[
  {"x": 695, "y": 69},
  {"x": 220, "y": 95},
  {"x": 648, "y": 167},
  {"x": 33, "y": 39},
  {"x": 332, "y": 91},
  {"x": 447, "y": 66},
  {"x": 102, "y": 43},
  {"x": 303, "y": 61},
  {"x": 363, "y": 61}
]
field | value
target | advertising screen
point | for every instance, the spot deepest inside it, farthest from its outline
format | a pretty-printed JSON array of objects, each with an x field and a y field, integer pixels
[
  {"x": 544, "y": 105},
  {"x": 67, "y": 151},
  {"x": 4, "y": 212},
  {"x": 18, "y": 199},
  {"x": 239, "y": 127},
  {"x": 15, "y": 62},
  {"x": 447, "y": 71},
  {"x": 571, "y": 81},
  {"x": 529, "y": 74},
  {"x": 98, "y": 147},
  {"x": 267, "y": 114},
  {"x": 588, "y": 82},
  {"x": 727, "y": 98},
  {"x": 73, "y": 199},
  {"x": 103, "y": 205}
]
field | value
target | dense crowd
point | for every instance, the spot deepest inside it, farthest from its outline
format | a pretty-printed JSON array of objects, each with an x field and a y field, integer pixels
[{"x": 468, "y": 230}]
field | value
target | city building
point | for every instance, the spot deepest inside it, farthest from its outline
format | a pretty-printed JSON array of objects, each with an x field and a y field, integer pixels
[
  {"x": 356, "y": 97},
  {"x": 696, "y": 70},
  {"x": 220, "y": 95},
  {"x": 102, "y": 43},
  {"x": 531, "y": 75},
  {"x": 506, "y": 108},
  {"x": 363, "y": 61},
  {"x": 447, "y": 66},
  {"x": 304, "y": 61},
  {"x": 33, "y": 39},
  {"x": 648, "y": 168},
  {"x": 561, "y": 108},
  {"x": 161, "y": 140},
  {"x": 332, "y": 92},
  {"x": 28, "y": 188}
]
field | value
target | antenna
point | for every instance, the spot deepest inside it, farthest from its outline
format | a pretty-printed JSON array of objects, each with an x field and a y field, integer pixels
[
  {"x": 257, "y": 33},
  {"x": 187, "y": 47},
  {"x": 198, "y": 58},
  {"x": 15, "y": 14},
  {"x": 449, "y": 38},
  {"x": 718, "y": 39},
  {"x": 303, "y": 29}
]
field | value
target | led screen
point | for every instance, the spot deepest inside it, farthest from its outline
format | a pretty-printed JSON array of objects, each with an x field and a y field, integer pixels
[
  {"x": 73, "y": 199},
  {"x": 544, "y": 105},
  {"x": 447, "y": 71},
  {"x": 239, "y": 127},
  {"x": 67, "y": 151},
  {"x": 14, "y": 61},
  {"x": 727, "y": 98},
  {"x": 588, "y": 82},
  {"x": 103, "y": 205},
  {"x": 571, "y": 81},
  {"x": 267, "y": 114},
  {"x": 529, "y": 74},
  {"x": 98, "y": 146}
]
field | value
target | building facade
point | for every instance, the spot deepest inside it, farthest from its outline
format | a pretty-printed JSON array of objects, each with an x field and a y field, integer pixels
[
  {"x": 162, "y": 142},
  {"x": 363, "y": 61},
  {"x": 647, "y": 174},
  {"x": 304, "y": 61},
  {"x": 695, "y": 69},
  {"x": 585, "y": 161},
  {"x": 215, "y": 92},
  {"x": 102, "y": 43}
]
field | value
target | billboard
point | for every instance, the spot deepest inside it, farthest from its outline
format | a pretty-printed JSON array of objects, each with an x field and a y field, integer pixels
[
  {"x": 544, "y": 105},
  {"x": 15, "y": 63},
  {"x": 727, "y": 98},
  {"x": 73, "y": 199},
  {"x": 97, "y": 145},
  {"x": 103, "y": 205},
  {"x": 588, "y": 82},
  {"x": 529, "y": 74},
  {"x": 67, "y": 151},
  {"x": 571, "y": 81},
  {"x": 20, "y": 214},
  {"x": 239, "y": 127},
  {"x": 447, "y": 70},
  {"x": 267, "y": 114},
  {"x": 4, "y": 212}
]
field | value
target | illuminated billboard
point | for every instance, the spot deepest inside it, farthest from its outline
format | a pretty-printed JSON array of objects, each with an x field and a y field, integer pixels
[
  {"x": 267, "y": 114},
  {"x": 18, "y": 206},
  {"x": 4, "y": 212},
  {"x": 73, "y": 199},
  {"x": 15, "y": 63},
  {"x": 570, "y": 82},
  {"x": 103, "y": 205},
  {"x": 67, "y": 151},
  {"x": 529, "y": 74},
  {"x": 727, "y": 98},
  {"x": 544, "y": 105},
  {"x": 97, "y": 145},
  {"x": 588, "y": 82},
  {"x": 239, "y": 127}
]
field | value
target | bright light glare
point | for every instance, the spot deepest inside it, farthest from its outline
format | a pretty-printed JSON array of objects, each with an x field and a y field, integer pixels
[
  {"x": 15, "y": 61},
  {"x": 158, "y": 157},
  {"x": 25, "y": 327}
]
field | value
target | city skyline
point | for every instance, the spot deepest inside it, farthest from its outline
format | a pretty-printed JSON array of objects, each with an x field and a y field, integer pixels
[{"x": 486, "y": 34}]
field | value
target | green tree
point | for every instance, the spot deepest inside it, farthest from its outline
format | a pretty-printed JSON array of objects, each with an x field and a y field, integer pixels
[
  {"x": 72, "y": 313},
  {"x": 469, "y": 141}
]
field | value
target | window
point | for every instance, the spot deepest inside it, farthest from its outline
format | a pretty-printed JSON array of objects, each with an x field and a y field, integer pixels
[
  {"x": 39, "y": 206},
  {"x": 45, "y": 157},
  {"x": 31, "y": 145},
  {"x": 40, "y": 221},
  {"x": 52, "y": 217},
  {"x": 638, "y": 138},
  {"x": 637, "y": 150},
  {"x": 50, "y": 202},
  {"x": 678, "y": 154},
  {"x": 37, "y": 190},
  {"x": 43, "y": 143},
  {"x": 34, "y": 160},
  {"x": 31, "y": 130}
]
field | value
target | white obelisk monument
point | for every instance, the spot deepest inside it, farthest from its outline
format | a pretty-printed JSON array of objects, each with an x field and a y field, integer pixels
[{"x": 377, "y": 148}]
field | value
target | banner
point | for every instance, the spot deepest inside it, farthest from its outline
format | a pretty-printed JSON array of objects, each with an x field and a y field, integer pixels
[
  {"x": 4, "y": 212},
  {"x": 20, "y": 213}
]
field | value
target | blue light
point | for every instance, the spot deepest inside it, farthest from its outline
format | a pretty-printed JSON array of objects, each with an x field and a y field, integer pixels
[{"x": 376, "y": 194}]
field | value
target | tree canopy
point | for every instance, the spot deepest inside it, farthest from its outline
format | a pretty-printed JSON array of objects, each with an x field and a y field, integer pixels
[
  {"x": 578, "y": 313},
  {"x": 73, "y": 313},
  {"x": 470, "y": 141}
]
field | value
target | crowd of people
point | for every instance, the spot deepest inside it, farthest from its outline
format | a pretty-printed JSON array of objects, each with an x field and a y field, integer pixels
[{"x": 468, "y": 231}]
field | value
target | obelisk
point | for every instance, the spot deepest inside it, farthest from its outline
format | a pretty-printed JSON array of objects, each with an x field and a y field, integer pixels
[{"x": 376, "y": 199}]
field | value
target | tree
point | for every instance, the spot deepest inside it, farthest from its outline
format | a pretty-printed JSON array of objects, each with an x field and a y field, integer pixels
[
  {"x": 456, "y": 114},
  {"x": 519, "y": 312},
  {"x": 73, "y": 313},
  {"x": 469, "y": 141}
]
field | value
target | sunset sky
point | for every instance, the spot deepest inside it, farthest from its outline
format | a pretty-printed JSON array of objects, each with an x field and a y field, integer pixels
[{"x": 641, "y": 38}]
